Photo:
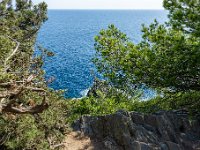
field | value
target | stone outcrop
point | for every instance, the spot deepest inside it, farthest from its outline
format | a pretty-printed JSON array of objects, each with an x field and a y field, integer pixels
[{"x": 164, "y": 130}]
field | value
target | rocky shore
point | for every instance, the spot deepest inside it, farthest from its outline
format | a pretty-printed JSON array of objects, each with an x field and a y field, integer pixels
[{"x": 164, "y": 130}]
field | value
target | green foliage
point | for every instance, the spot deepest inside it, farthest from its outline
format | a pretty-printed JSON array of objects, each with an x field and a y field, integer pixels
[
  {"x": 102, "y": 99},
  {"x": 18, "y": 30},
  {"x": 109, "y": 104},
  {"x": 184, "y": 15},
  {"x": 101, "y": 105},
  {"x": 111, "y": 47},
  {"x": 182, "y": 100},
  {"x": 34, "y": 131},
  {"x": 167, "y": 58},
  {"x": 19, "y": 24}
]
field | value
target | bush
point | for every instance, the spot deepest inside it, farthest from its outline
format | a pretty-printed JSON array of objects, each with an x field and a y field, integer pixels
[{"x": 39, "y": 131}]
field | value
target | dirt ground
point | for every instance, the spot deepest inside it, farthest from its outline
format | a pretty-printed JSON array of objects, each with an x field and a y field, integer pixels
[{"x": 77, "y": 141}]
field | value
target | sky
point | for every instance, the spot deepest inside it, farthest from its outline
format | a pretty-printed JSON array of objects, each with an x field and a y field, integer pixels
[{"x": 103, "y": 4}]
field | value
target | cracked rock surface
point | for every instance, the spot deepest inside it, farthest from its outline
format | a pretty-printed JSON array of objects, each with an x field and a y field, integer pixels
[{"x": 164, "y": 130}]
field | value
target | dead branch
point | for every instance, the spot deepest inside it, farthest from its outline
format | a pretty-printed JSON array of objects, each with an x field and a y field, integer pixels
[
  {"x": 10, "y": 84},
  {"x": 29, "y": 79},
  {"x": 35, "y": 89},
  {"x": 12, "y": 53},
  {"x": 57, "y": 145},
  {"x": 12, "y": 93},
  {"x": 54, "y": 146},
  {"x": 5, "y": 85},
  {"x": 19, "y": 109},
  {"x": 24, "y": 110},
  {"x": 4, "y": 94},
  {"x": 14, "y": 90}
]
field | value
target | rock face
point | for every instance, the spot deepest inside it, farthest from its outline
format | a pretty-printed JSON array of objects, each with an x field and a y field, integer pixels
[{"x": 166, "y": 130}]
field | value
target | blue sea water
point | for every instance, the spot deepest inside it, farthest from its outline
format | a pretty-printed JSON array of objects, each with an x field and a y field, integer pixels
[{"x": 70, "y": 35}]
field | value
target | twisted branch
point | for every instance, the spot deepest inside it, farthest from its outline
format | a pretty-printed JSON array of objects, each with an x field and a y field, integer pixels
[
  {"x": 25, "y": 110},
  {"x": 12, "y": 93}
]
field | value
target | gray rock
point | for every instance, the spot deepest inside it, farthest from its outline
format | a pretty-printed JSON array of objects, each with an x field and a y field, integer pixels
[
  {"x": 173, "y": 146},
  {"x": 165, "y": 130},
  {"x": 110, "y": 144},
  {"x": 144, "y": 146},
  {"x": 164, "y": 146},
  {"x": 137, "y": 118}
]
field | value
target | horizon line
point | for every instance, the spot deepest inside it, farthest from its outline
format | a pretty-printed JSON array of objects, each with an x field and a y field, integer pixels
[{"x": 101, "y": 9}]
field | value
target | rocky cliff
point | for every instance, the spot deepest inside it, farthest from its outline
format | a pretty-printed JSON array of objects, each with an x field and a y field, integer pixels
[{"x": 164, "y": 130}]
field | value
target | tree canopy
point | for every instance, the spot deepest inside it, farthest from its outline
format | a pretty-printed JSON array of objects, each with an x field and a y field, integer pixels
[{"x": 167, "y": 58}]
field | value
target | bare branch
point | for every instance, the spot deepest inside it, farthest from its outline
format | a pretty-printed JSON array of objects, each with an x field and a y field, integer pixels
[
  {"x": 4, "y": 94},
  {"x": 5, "y": 85},
  {"x": 23, "y": 110},
  {"x": 30, "y": 78},
  {"x": 12, "y": 53},
  {"x": 9, "y": 84},
  {"x": 35, "y": 89},
  {"x": 57, "y": 145}
]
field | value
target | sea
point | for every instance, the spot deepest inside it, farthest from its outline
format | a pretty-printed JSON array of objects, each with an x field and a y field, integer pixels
[{"x": 69, "y": 34}]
